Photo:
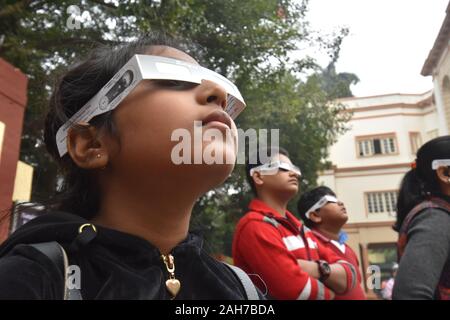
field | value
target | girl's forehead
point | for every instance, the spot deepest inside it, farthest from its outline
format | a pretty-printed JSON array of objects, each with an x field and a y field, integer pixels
[{"x": 169, "y": 52}]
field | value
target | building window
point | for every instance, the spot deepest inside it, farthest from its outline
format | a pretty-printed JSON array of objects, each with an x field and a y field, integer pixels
[
  {"x": 382, "y": 202},
  {"x": 416, "y": 141},
  {"x": 368, "y": 147}
]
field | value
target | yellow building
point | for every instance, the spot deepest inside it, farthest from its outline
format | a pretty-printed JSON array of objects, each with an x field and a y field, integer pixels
[{"x": 370, "y": 160}]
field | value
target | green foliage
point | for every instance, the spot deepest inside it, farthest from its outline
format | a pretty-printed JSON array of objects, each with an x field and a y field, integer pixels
[{"x": 249, "y": 41}]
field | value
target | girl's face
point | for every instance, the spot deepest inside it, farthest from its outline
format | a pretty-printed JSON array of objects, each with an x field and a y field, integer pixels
[{"x": 149, "y": 116}]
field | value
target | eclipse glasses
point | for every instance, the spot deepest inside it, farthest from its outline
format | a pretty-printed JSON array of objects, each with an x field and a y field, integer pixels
[{"x": 142, "y": 67}]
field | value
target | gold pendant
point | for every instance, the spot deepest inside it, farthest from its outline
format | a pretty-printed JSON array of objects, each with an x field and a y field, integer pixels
[{"x": 173, "y": 285}]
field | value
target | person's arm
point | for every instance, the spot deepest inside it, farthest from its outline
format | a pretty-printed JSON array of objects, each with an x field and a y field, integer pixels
[
  {"x": 262, "y": 248},
  {"x": 358, "y": 272},
  {"x": 337, "y": 281},
  {"x": 424, "y": 257},
  {"x": 343, "y": 275}
]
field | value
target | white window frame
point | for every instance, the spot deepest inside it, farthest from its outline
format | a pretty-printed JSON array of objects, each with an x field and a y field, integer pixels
[
  {"x": 381, "y": 202},
  {"x": 366, "y": 145}
]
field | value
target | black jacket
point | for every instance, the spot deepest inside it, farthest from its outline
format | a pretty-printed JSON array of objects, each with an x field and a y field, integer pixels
[{"x": 113, "y": 264}]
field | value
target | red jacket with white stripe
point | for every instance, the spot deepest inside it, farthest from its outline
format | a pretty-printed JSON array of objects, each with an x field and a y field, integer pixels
[
  {"x": 266, "y": 245},
  {"x": 346, "y": 253}
]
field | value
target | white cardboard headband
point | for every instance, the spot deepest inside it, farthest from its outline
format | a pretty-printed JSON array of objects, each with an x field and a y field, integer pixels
[
  {"x": 141, "y": 67},
  {"x": 272, "y": 168},
  {"x": 440, "y": 163},
  {"x": 319, "y": 204}
]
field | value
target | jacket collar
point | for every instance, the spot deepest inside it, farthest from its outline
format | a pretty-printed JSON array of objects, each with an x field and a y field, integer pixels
[
  {"x": 342, "y": 237},
  {"x": 260, "y": 206},
  {"x": 320, "y": 236},
  {"x": 63, "y": 228}
]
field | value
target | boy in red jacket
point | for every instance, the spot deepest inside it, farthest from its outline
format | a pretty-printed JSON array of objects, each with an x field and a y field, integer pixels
[
  {"x": 274, "y": 248},
  {"x": 325, "y": 215}
]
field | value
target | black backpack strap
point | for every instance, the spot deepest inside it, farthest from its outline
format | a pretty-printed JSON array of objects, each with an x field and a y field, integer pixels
[
  {"x": 249, "y": 287},
  {"x": 433, "y": 203},
  {"x": 56, "y": 253}
]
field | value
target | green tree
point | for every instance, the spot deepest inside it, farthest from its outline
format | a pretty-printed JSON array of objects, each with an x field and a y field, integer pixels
[{"x": 249, "y": 41}]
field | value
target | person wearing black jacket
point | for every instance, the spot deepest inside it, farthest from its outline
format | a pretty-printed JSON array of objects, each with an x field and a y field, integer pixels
[
  {"x": 113, "y": 265},
  {"x": 122, "y": 214},
  {"x": 423, "y": 223}
]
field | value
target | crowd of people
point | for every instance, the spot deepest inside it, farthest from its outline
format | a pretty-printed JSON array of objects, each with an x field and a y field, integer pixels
[{"x": 122, "y": 214}]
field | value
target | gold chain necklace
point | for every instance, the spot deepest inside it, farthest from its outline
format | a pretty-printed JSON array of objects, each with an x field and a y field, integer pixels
[{"x": 173, "y": 285}]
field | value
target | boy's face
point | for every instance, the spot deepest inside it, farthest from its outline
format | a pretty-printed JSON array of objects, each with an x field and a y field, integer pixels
[
  {"x": 285, "y": 182},
  {"x": 333, "y": 214},
  {"x": 147, "y": 119}
]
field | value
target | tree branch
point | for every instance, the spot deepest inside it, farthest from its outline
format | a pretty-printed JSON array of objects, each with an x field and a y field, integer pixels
[{"x": 13, "y": 8}]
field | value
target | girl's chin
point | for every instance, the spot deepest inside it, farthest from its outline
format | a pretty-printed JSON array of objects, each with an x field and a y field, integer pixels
[{"x": 214, "y": 175}]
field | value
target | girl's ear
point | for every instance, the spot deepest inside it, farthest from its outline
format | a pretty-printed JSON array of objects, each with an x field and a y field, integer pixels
[
  {"x": 86, "y": 147},
  {"x": 443, "y": 175}
]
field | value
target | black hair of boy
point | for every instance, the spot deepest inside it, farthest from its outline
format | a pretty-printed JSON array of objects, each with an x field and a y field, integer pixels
[{"x": 308, "y": 199}]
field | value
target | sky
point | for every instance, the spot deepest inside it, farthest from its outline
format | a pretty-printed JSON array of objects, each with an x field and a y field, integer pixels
[{"x": 388, "y": 43}]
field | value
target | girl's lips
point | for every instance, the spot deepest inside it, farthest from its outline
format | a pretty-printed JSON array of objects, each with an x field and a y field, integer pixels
[{"x": 218, "y": 118}]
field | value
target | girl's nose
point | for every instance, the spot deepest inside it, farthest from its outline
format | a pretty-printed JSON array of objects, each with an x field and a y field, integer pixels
[{"x": 209, "y": 92}]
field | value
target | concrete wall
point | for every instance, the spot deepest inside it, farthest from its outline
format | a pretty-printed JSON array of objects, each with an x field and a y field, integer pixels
[
  {"x": 352, "y": 176},
  {"x": 351, "y": 189},
  {"x": 344, "y": 153}
]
